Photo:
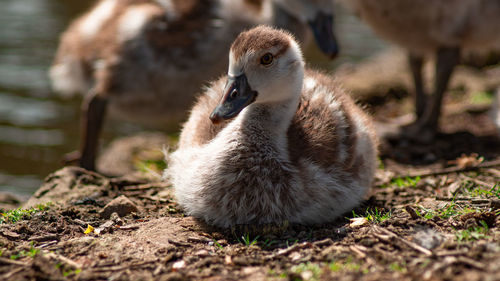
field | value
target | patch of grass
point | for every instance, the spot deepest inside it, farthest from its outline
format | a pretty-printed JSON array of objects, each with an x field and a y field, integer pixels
[
  {"x": 473, "y": 233},
  {"x": 148, "y": 165},
  {"x": 476, "y": 191},
  {"x": 481, "y": 97},
  {"x": 309, "y": 271},
  {"x": 405, "y": 182},
  {"x": 395, "y": 266},
  {"x": 374, "y": 215},
  {"x": 291, "y": 242},
  {"x": 32, "y": 252},
  {"x": 346, "y": 266},
  {"x": 451, "y": 209},
  {"x": 313, "y": 271},
  {"x": 18, "y": 214},
  {"x": 218, "y": 245},
  {"x": 68, "y": 272},
  {"x": 267, "y": 243},
  {"x": 275, "y": 274},
  {"x": 247, "y": 240}
]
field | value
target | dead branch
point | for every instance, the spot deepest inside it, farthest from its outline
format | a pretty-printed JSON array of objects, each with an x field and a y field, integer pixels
[
  {"x": 412, "y": 245},
  {"x": 486, "y": 164}
]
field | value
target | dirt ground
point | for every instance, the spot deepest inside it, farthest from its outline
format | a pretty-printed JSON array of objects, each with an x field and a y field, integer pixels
[{"x": 432, "y": 214}]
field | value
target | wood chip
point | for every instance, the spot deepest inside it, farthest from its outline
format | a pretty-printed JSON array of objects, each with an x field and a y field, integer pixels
[{"x": 358, "y": 222}]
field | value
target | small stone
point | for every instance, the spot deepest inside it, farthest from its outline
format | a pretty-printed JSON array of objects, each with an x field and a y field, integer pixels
[
  {"x": 495, "y": 204},
  {"x": 295, "y": 256},
  {"x": 178, "y": 265},
  {"x": 121, "y": 205},
  {"x": 428, "y": 238},
  {"x": 105, "y": 227},
  {"x": 306, "y": 275},
  {"x": 116, "y": 219}
]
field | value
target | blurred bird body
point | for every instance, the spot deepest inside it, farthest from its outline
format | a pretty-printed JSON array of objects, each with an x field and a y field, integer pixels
[
  {"x": 144, "y": 60},
  {"x": 440, "y": 28},
  {"x": 423, "y": 26}
]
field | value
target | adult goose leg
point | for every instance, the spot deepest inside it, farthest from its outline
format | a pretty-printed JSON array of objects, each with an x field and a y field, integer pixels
[
  {"x": 425, "y": 129},
  {"x": 92, "y": 118},
  {"x": 416, "y": 62}
]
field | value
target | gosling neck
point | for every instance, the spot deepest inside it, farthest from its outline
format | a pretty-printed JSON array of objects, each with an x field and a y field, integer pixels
[{"x": 273, "y": 118}]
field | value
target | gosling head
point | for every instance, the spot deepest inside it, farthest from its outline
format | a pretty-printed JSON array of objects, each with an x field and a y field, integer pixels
[
  {"x": 319, "y": 15},
  {"x": 265, "y": 66}
]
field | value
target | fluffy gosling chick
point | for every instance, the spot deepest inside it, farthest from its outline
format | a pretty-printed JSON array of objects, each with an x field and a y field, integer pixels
[{"x": 272, "y": 141}]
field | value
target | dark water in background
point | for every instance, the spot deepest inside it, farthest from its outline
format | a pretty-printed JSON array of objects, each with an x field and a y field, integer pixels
[{"x": 36, "y": 126}]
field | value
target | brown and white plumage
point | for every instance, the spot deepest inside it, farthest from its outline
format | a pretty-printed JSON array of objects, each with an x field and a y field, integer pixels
[
  {"x": 437, "y": 28},
  {"x": 143, "y": 60},
  {"x": 301, "y": 152}
]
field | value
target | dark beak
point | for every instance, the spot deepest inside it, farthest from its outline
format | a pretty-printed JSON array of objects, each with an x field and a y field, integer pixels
[
  {"x": 322, "y": 27},
  {"x": 237, "y": 95}
]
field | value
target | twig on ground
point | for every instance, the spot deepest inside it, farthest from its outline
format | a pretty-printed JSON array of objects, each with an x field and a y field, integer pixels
[
  {"x": 486, "y": 164},
  {"x": 291, "y": 249},
  {"x": 146, "y": 186},
  {"x": 44, "y": 238},
  {"x": 408, "y": 243},
  {"x": 11, "y": 273},
  {"x": 177, "y": 243},
  {"x": 12, "y": 262},
  {"x": 122, "y": 267},
  {"x": 478, "y": 182}
]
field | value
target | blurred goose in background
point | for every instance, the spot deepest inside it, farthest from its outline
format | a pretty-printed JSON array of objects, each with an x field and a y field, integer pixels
[
  {"x": 272, "y": 141},
  {"x": 145, "y": 59},
  {"x": 437, "y": 28}
]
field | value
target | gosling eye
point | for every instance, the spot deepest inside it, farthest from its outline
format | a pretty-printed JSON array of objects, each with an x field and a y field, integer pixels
[
  {"x": 233, "y": 94},
  {"x": 266, "y": 59}
]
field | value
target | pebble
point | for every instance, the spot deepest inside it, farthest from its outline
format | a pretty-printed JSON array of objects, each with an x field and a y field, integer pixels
[{"x": 121, "y": 205}]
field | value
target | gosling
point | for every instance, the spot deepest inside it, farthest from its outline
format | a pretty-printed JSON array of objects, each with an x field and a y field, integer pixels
[{"x": 272, "y": 141}]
